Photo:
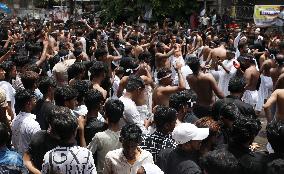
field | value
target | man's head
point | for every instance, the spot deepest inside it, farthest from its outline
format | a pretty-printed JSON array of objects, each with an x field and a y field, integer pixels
[
  {"x": 98, "y": 70},
  {"x": 244, "y": 130},
  {"x": 194, "y": 64},
  {"x": 229, "y": 112},
  {"x": 10, "y": 69},
  {"x": 101, "y": 54},
  {"x": 135, "y": 86},
  {"x": 24, "y": 100},
  {"x": 94, "y": 100},
  {"x": 2, "y": 72},
  {"x": 131, "y": 138},
  {"x": 30, "y": 80},
  {"x": 280, "y": 59},
  {"x": 237, "y": 85},
  {"x": 165, "y": 119},
  {"x": 220, "y": 161},
  {"x": 63, "y": 124},
  {"x": 164, "y": 76},
  {"x": 66, "y": 96},
  {"x": 114, "y": 110},
  {"x": 76, "y": 70},
  {"x": 243, "y": 47},
  {"x": 47, "y": 86},
  {"x": 275, "y": 135},
  {"x": 214, "y": 130},
  {"x": 160, "y": 46},
  {"x": 189, "y": 137},
  {"x": 82, "y": 87}
]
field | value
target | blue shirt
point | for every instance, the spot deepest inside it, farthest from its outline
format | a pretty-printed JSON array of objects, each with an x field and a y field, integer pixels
[{"x": 10, "y": 162}]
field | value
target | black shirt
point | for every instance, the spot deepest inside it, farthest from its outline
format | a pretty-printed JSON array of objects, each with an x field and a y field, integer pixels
[
  {"x": 244, "y": 108},
  {"x": 169, "y": 159},
  {"x": 42, "y": 110},
  {"x": 93, "y": 126},
  {"x": 251, "y": 162},
  {"x": 41, "y": 143}
]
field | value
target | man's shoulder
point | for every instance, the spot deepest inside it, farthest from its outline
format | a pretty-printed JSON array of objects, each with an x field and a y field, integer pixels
[{"x": 114, "y": 153}]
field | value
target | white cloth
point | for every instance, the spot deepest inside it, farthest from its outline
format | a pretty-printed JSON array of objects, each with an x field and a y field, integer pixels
[
  {"x": 60, "y": 71},
  {"x": 102, "y": 143},
  {"x": 174, "y": 60},
  {"x": 10, "y": 93},
  {"x": 131, "y": 114},
  {"x": 84, "y": 43},
  {"x": 152, "y": 169},
  {"x": 81, "y": 110},
  {"x": 73, "y": 160},
  {"x": 24, "y": 126},
  {"x": 250, "y": 97},
  {"x": 225, "y": 77},
  {"x": 265, "y": 90},
  {"x": 185, "y": 70},
  {"x": 115, "y": 86},
  {"x": 116, "y": 163}
]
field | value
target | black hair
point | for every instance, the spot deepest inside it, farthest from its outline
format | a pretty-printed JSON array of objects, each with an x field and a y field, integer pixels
[
  {"x": 134, "y": 83},
  {"x": 163, "y": 72},
  {"x": 164, "y": 115},
  {"x": 275, "y": 135},
  {"x": 75, "y": 69},
  {"x": 44, "y": 83},
  {"x": 7, "y": 66},
  {"x": 275, "y": 167},
  {"x": 21, "y": 60},
  {"x": 82, "y": 87},
  {"x": 194, "y": 64},
  {"x": 93, "y": 99},
  {"x": 100, "y": 53},
  {"x": 220, "y": 161},
  {"x": 4, "y": 134},
  {"x": 114, "y": 110},
  {"x": 242, "y": 44},
  {"x": 229, "y": 111},
  {"x": 182, "y": 98},
  {"x": 237, "y": 84},
  {"x": 244, "y": 130},
  {"x": 63, "y": 94},
  {"x": 22, "y": 97},
  {"x": 32, "y": 67},
  {"x": 29, "y": 79},
  {"x": 77, "y": 52},
  {"x": 145, "y": 57},
  {"x": 97, "y": 69},
  {"x": 63, "y": 123},
  {"x": 131, "y": 133}
]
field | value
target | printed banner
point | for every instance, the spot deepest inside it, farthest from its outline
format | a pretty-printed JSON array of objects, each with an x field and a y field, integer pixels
[{"x": 269, "y": 15}]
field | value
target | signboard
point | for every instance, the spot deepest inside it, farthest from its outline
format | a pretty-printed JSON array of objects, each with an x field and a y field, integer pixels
[{"x": 268, "y": 15}]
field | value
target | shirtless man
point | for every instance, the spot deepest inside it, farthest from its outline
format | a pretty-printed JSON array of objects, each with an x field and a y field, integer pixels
[
  {"x": 251, "y": 75},
  {"x": 198, "y": 41},
  {"x": 219, "y": 53},
  {"x": 97, "y": 76},
  {"x": 276, "y": 97},
  {"x": 203, "y": 85},
  {"x": 162, "y": 92},
  {"x": 162, "y": 58},
  {"x": 277, "y": 71}
]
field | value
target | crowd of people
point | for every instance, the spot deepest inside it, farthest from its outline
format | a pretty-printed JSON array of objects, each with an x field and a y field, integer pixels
[{"x": 82, "y": 97}]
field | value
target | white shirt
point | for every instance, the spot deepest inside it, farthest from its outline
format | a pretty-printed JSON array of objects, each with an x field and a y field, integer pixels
[
  {"x": 83, "y": 41},
  {"x": 10, "y": 93},
  {"x": 115, "y": 86},
  {"x": 102, "y": 143},
  {"x": 131, "y": 114},
  {"x": 23, "y": 128},
  {"x": 75, "y": 160},
  {"x": 116, "y": 163},
  {"x": 185, "y": 70}
]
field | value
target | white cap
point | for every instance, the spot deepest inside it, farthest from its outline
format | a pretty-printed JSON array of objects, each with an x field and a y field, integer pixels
[
  {"x": 152, "y": 169},
  {"x": 186, "y": 132}
]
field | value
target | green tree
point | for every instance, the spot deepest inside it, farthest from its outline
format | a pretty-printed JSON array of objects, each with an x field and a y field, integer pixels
[{"x": 131, "y": 9}]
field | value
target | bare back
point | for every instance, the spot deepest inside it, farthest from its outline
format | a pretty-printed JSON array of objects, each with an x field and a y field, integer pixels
[
  {"x": 252, "y": 76},
  {"x": 201, "y": 85},
  {"x": 275, "y": 73},
  {"x": 160, "y": 98},
  {"x": 161, "y": 62}
]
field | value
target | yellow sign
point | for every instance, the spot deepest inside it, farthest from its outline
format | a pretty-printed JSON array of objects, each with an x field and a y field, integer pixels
[{"x": 267, "y": 15}]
